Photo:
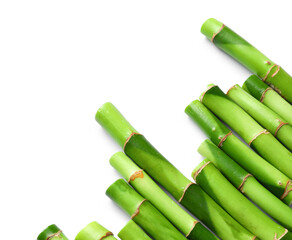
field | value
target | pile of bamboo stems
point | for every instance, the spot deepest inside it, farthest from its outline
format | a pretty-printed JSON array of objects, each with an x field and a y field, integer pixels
[{"x": 240, "y": 191}]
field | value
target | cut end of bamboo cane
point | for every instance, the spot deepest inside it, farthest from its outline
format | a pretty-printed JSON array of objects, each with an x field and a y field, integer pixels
[
  {"x": 208, "y": 88},
  {"x": 211, "y": 27},
  {"x": 188, "y": 109},
  {"x": 233, "y": 87},
  {"x": 200, "y": 168},
  {"x": 93, "y": 231},
  {"x": 110, "y": 118},
  {"x": 49, "y": 232}
]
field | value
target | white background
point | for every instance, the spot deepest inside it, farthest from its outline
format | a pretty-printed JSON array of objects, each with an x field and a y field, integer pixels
[{"x": 61, "y": 60}]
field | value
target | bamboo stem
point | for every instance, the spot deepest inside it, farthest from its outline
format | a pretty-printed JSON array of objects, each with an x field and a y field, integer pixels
[
  {"x": 132, "y": 231},
  {"x": 145, "y": 186},
  {"x": 238, "y": 48},
  {"x": 251, "y": 188},
  {"x": 263, "y": 115},
  {"x": 251, "y": 132},
  {"x": 94, "y": 231},
  {"x": 190, "y": 195},
  {"x": 52, "y": 232},
  {"x": 222, "y": 191},
  {"x": 268, "y": 175},
  {"x": 269, "y": 97},
  {"x": 142, "y": 212}
]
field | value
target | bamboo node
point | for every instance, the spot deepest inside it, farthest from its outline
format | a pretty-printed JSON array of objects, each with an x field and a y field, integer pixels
[
  {"x": 234, "y": 86},
  {"x": 192, "y": 228},
  {"x": 280, "y": 125},
  {"x": 257, "y": 135},
  {"x": 203, "y": 94},
  {"x": 240, "y": 188},
  {"x": 128, "y": 139},
  {"x": 185, "y": 190},
  {"x": 264, "y": 93},
  {"x": 200, "y": 170},
  {"x": 136, "y": 213},
  {"x": 106, "y": 235},
  {"x": 222, "y": 140},
  {"x": 215, "y": 34},
  {"x": 57, "y": 234},
  {"x": 276, "y": 235},
  {"x": 287, "y": 190},
  {"x": 137, "y": 174},
  {"x": 274, "y": 74}
]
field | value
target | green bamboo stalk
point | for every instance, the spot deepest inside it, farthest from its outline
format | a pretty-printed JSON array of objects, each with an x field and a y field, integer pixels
[
  {"x": 94, "y": 231},
  {"x": 273, "y": 179},
  {"x": 224, "y": 193},
  {"x": 142, "y": 212},
  {"x": 145, "y": 186},
  {"x": 251, "y": 132},
  {"x": 263, "y": 115},
  {"x": 52, "y": 232},
  {"x": 269, "y": 97},
  {"x": 247, "y": 184},
  {"x": 182, "y": 189},
  {"x": 238, "y": 48},
  {"x": 132, "y": 232}
]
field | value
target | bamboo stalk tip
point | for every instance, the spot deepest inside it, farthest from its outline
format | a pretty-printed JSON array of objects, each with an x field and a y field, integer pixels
[
  {"x": 233, "y": 87},
  {"x": 199, "y": 168},
  {"x": 111, "y": 119},
  {"x": 104, "y": 108},
  {"x": 208, "y": 88},
  {"x": 188, "y": 109},
  {"x": 49, "y": 231},
  {"x": 210, "y": 27},
  {"x": 117, "y": 157},
  {"x": 93, "y": 231}
]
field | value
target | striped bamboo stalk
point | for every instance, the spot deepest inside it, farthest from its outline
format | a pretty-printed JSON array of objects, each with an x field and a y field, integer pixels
[
  {"x": 252, "y": 133},
  {"x": 238, "y": 206},
  {"x": 273, "y": 179},
  {"x": 238, "y": 48},
  {"x": 182, "y": 189},
  {"x": 145, "y": 186}
]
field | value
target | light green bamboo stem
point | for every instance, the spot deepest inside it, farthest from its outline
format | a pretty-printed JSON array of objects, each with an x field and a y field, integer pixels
[
  {"x": 263, "y": 115},
  {"x": 132, "y": 232},
  {"x": 247, "y": 184},
  {"x": 145, "y": 186},
  {"x": 158, "y": 167},
  {"x": 269, "y": 97},
  {"x": 222, "y": 191},
  {"x": 238, "y": 48},
  {"x": 52, "y": 232},
  {"x": 142, "y": 212},
  {"x": 273, "y": 179},
  {"x": 251, "y": 132},
  {"x": 94, "y": 231}
]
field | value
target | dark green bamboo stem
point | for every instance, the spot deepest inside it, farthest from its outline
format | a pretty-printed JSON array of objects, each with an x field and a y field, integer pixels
[
  {"x": 132, "y": 232},
  {"x": 224, "y": 193},
  {"x": 238, "y": 48},
  {"x": 52, "y": 232},
  {"x": 145, "y": 186},
  {"x": 94, "y": 231},
  {"x": 142, "y": 212},
  {"x": 247, "y": 184},
  {"x": 266, "y": 117},
  {"x": 251, "y": 132},
  {"x": 220, "y": 135},
  {"x": 269, "y": 97},
  {"x": 189, "y": 195}
]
